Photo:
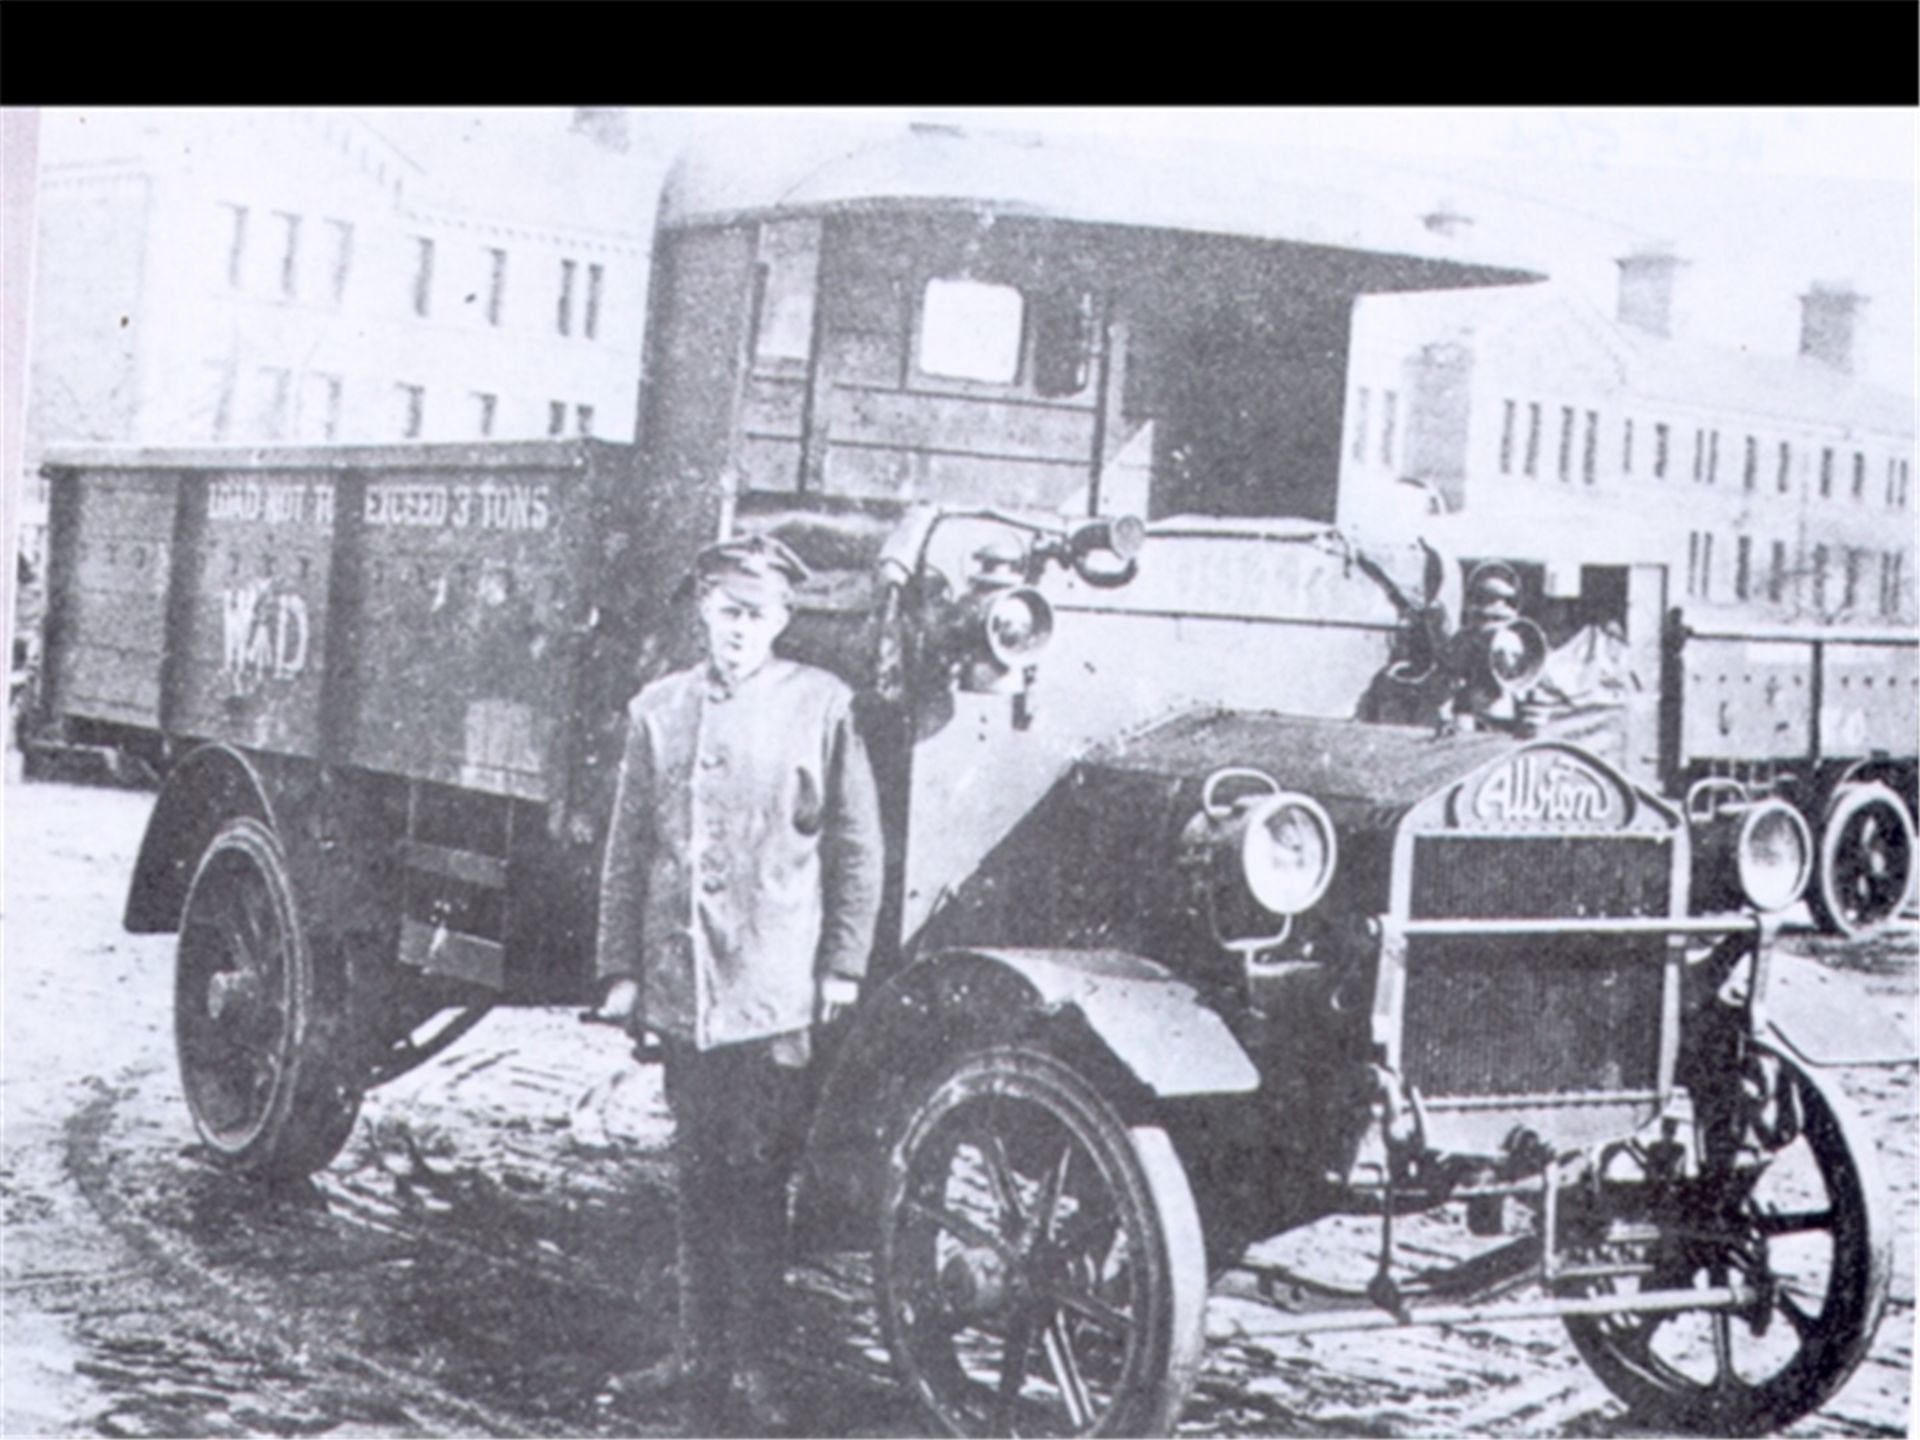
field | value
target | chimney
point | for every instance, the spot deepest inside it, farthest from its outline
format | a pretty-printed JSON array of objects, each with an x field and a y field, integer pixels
[
  {"x": 1647, "y": 278},
  {"x": 605, "y": 125},
  {"x": 1831, "y": 317}
]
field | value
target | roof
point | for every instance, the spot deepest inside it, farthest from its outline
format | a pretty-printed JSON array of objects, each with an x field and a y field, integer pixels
[
  {"x": 1317, "y": 197},
  {"x": 1547, "y": 333},
  {"x": 524, "y": 168}
]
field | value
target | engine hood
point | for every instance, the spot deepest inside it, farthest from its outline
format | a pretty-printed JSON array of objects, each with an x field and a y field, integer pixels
[{"x": 1367, "y": 776}]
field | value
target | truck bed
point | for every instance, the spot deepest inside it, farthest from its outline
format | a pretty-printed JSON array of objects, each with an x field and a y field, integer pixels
[{"x": 420, "y": 611}]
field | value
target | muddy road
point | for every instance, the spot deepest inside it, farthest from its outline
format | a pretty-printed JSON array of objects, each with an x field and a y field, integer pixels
[{"x": 497, "y": 1238}]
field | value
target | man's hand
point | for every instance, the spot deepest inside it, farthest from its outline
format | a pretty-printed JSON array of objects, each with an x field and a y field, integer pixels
[
  {"x": 837, "y": 995},
  {"x": 619, "y": 1005}
]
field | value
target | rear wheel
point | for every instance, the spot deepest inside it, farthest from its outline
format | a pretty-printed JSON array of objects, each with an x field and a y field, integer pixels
[
  {"x": 1866, "y": 860},
  {"x": 1792, "y": 1209},
  {"x": 258, "y": 1037},
  {"x": 1041, "y": 1264}
]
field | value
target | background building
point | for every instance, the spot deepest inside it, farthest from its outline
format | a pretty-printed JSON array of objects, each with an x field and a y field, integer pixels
[
  {"x": 283, "y": 276},
  {"x": 1525, "y": 422}
]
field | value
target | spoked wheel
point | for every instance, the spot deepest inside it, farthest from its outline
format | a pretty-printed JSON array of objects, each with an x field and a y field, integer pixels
[
  {"x": 1041, "y": 1264},
  {"x": 251, "y": 1027},
  {"x": 1794, "y": 1212},
  {"x": 1866, "y": 861}
]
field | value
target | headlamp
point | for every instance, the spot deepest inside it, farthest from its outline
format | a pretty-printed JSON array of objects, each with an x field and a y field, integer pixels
[
  {"x": 1748, "y": 852},
  {"x": 1287, "y": 852},
  {"x": 1255, "y": 856},
  {"x": 1774, "y": 853}
]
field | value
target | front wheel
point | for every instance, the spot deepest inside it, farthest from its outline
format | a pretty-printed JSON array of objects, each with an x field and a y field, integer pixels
[
  {"x": 1041, "y": 1264},
  {"x": 1791, "y": 1208},
  {"x": 257, "y": 1034},
  {"x": 1866, "y": 861}
]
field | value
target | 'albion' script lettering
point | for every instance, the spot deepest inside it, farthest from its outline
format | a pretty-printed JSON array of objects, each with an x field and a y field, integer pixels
[{"x": 1543, "y": 787}]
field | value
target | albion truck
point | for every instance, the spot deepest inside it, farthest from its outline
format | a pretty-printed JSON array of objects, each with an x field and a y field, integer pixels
[{"x": 1235, "y": 880}]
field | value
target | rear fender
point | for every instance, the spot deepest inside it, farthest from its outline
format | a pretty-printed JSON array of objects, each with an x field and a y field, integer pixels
[
  {"x": 210, "y": 786},
  {"x": 1142, "y": 1034}
]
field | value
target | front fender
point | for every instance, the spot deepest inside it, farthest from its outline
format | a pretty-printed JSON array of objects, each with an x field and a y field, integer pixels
[
  {"x": 1153, "y": 1023},
  {"x": 1139, "y": 1030},
  {"x": 1824, "y": 1017}
]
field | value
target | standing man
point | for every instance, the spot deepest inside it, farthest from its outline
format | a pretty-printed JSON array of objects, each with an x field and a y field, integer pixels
[{"x": 737, "y": 908}]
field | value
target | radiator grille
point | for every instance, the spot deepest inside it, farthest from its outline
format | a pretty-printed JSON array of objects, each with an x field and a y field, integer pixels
[
  {"x": 1483, "y": 877},
  {"x": 1519, "y": 1015}
]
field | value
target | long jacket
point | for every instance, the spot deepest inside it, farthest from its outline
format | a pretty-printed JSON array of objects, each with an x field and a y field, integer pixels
[{"x": 744, "y": 857}]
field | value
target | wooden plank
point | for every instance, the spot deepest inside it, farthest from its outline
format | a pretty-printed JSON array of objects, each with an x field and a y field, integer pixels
[
  {"x": 1869, "y": 697},
  {"x": 440, "y": 951},
  {"x": 773, "y": 405},
  {"x": 469, "y": 867},
  {"x": 963, "y": 425},
  {"x": 110, "y": 682},
  {"x": 769, "y": 464},
  {"x": 867, "y": 359}
]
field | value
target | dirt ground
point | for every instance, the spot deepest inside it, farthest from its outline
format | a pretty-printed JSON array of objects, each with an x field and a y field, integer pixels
[{"x": 497, "y": 1238}]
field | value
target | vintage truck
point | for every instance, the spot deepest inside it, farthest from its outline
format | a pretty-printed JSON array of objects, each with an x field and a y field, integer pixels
[{"x": 1177, "y": 953}]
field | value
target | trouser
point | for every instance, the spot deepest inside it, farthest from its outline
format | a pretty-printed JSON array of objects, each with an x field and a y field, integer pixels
[{"x": 739, "y": 1120}]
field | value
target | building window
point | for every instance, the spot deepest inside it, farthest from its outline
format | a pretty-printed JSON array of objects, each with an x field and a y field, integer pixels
[
  {"x": 1508, "y": 413},
  {"x": 1891, "y": 564},
  {"x": 1742, "y": 565},
  {"x": 1783, "y": 481},
  {"x": 289, "y": 254},
  {"x": 1859, "y": 475},
  {"x": 1699, "y": 456},
  {"x": 236, "y": 245},
  {"x": 1389, "y": 403},
  {"x": 1662, "y": 434},
  {"x": 1360, "y": 424},
  {"x": 484, "y": 407},
  {"x": 1565, "y": 467},
  {"x": 274, "y": 400},
  {"x": 556, "y": 417},
  {"x": 342, "y": 233},
  {"x": 1626, "y": 446},
  {"x": 1820, "y": 579},
  {"x": 1713, "y": 457},
  {"x": 1893, "y": 475},
  {"x": 583, "y": 419},
  {"x": 1852, "y": 593},
  {"x": 496, "y": 289},
  {"x": 1750, "y": 472},
  {"x": 413, "y": 409},
  {"x": 1533, "y": 438},
  {"x": 1590, "y": 449},
  {"x": 1826, "y": 473},
  {"x": 1777, "y": 573},
  {"x": 319, "y": 407},
  {"x": 1906, "y": 477},
  {"x": 220, "y": 408},
  {"x": 1699, "y": 564},
  {"x": 563, "y": 315},
  {"x": 422, "y": 275},
  {"x": 596, "y": 276}
]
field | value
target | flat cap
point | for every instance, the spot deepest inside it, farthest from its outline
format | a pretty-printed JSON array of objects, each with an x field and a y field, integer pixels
[{"x": 757, "y": 567}]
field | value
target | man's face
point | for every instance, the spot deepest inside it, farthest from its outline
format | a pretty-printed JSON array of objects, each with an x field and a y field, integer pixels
[{"x": 740, "y": 632}]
